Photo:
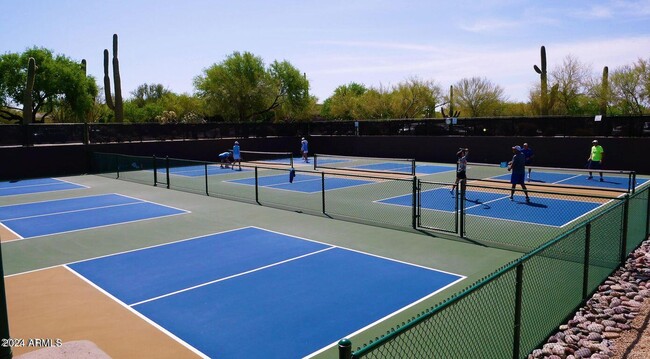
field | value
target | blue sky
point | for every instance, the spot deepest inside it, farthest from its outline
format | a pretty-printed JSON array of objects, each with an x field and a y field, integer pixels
[{"x": 376, "y": 43}]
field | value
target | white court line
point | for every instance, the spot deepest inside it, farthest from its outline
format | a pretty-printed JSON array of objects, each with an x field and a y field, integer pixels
[
  {"x": 130, "y": 307},
  {"x": 138, "y": 314},
  {"x": 137, "y": 201},
  {"x": 70, "y": 211},
  {"x": 231, "y": 276}
]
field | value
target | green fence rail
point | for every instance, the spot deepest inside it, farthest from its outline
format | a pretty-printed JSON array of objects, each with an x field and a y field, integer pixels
[{"x": 506, "y": 314}]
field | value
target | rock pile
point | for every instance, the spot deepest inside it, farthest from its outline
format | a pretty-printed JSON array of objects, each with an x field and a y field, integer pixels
[{"x": 605, "y": 315}]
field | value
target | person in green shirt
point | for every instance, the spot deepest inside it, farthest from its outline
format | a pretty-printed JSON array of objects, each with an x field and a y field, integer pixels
[{"x": 595, "y": 160}]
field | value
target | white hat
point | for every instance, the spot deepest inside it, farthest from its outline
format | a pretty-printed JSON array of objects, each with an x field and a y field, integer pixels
[
  {"x": 517, "y": 148},
  {"x": 303, "y": 138},
  {"x": 236, "y": 142},
  {"x": 594, "y": 141}
]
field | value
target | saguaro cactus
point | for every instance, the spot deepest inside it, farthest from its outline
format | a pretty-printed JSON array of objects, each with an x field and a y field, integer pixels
[
  {"x": 452, "y": 113},
  {"x": 28, "y": 114},
  {"x": 116, "y": 106},
  {"x": 604, "y": 91},
  {"x": 546, "y": 102}
]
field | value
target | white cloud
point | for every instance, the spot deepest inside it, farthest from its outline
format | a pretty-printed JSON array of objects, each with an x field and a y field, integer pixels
[
  {"x": 615, "y": 9},
  {"x": 510, "y": 68}
]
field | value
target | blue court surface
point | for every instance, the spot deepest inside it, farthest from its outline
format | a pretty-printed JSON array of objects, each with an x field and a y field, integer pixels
[
  {"x": 200, "y": 170},
  {"x": 253, "y": 293},
  {"x": 13, "y": 188},
  {"x": 303, "y": 182},
  {"x": 73, "y": 214},
  {"x": 405, "y": 168},
  {"x": 432, "y": 169},
  {"x": 540, "y": 210},
  {"x": 573, "y": 179}
]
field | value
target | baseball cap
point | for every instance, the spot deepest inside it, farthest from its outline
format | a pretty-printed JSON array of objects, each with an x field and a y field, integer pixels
[
  {"x": 517, "y": 148},
  {"x": 236, "y": 142},
  {"x": 594, "y": 141}
]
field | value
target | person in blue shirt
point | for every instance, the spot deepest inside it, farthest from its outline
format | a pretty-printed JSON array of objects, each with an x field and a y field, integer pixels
[
  {"x": 528, "y": 155},
  {"x": 236, "y": 155},
  {"x": 518, "y": 168},
  {"x": 304, "y": 150},
  {"x": 224, "y": 157}
]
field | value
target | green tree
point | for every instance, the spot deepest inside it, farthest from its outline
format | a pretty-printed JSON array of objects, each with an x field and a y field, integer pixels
[
  {"x": 629, "y": 90},
  {"x": 376, "y": 104},
  {"x": 147, "y": 93},
  {"x": 344, "y": 104},
  {"x": 479, "y": 97},
  {"x": 241, "y": 88},
  {"x": 415, "y": 98},
  {"x": 573, "y": 78},
  {"x": 61, "y": 86},
  {"x": 155, "y": 103}
]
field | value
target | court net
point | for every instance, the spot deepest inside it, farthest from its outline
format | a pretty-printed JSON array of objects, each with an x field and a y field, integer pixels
[
  {"x": 398, "y": 166},
  {"x": 267, "y": 158},
  {"x": 554, "y": 178}
]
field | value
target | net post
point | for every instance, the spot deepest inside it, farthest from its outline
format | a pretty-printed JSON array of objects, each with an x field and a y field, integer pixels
[
  {"x": 315, "y": 160},
  {"x": 322, "y": 181},
  {"x": 5, "y": 350},
  {"x": 415, "y": 203},
  {"x": 460, "y": 203},
  {"x": 155, "y": 172},
  {"x": 413, "y": 167},
  {"x": 585, "y": 269},
  {"x": 257, "y": 192},
  {"x": 167, "y": 170},
  {"x": 205, "y": 166},
  {"x": 345, "y": 349},
  {"x": 117, "y": 166}
]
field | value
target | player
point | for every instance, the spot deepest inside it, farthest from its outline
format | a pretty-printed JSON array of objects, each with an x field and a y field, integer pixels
[
  {"x": 518, "y": 167},
  {"x": 224, "y": 157},
  {"x": 461, "y": 168},
  {"x": 304, "y": 150},
  {"x": 528, "y": 155},
  {"x": 595, "y": 160},
  {"x": 236, "y": 155}
]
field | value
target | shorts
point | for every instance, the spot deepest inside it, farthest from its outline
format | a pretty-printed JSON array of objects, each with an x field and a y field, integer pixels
[
  {"x": 461, "y": 175},
  {"x": 518, "y": 178},
  {"x": 594, "y": 165}
]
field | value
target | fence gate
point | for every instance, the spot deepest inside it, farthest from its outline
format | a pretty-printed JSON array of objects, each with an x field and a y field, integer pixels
[{"x": 437, "y": 206}]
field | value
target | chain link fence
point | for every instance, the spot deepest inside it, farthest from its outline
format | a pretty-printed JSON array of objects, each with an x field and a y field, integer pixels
[{"x": 578, "y": 241}]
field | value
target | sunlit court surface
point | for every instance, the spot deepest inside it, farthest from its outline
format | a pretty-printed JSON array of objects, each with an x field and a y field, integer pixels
[
  {"x": 141, "y": 270},
  {"x": 155, "y": 258}
]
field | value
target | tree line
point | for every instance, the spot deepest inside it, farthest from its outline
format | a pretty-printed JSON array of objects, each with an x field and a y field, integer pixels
[{"x": 243, "y": 88}]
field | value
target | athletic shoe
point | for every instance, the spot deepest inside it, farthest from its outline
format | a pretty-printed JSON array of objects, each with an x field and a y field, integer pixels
[
  {"x": 527, "y": 200},
  {"x": 589, "y": 177},
  {"x": 601, "y": 179},
  {"x": 512, "y": 199}
]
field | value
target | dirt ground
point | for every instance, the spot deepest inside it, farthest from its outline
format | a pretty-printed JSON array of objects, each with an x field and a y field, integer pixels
[{"x": 635, "y": 343}]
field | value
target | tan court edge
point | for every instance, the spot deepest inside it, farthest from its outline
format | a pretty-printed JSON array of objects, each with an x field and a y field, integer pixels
[{"x": 56, "y": 304}]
